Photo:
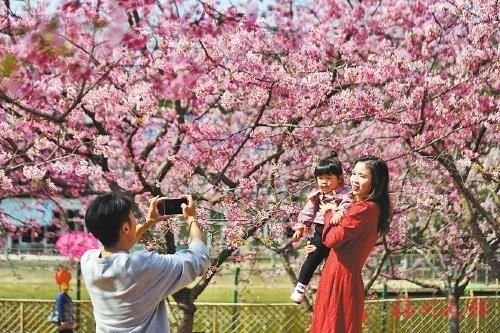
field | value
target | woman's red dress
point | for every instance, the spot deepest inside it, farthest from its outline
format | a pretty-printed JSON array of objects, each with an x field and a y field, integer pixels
[{"x": 338, "y": 307}]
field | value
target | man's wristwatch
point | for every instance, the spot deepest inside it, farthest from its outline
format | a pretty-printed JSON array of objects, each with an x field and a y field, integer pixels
[
  {"x": 143, "y": 220},
  {"x": 191, "y": 223}
]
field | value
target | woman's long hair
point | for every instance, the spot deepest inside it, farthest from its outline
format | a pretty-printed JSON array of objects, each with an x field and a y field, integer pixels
[{"x": 380, "y": 190}]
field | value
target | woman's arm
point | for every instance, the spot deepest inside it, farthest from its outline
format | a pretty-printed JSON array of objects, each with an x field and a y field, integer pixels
[{"x": 354, "y": 223}]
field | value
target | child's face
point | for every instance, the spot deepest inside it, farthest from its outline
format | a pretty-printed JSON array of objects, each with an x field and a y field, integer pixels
[{"x": 328, "y": 183}]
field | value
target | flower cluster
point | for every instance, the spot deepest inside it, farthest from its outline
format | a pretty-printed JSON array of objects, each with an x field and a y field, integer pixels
[{"x": 74, "y": 244}]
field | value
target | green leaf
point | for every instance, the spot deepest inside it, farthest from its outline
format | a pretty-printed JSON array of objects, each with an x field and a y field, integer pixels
[
  {"x": 8, "y": 65},
  {"x": 388, "y": 103},
  {"x": 489, "y": 91},
  {"x": 167, "y": 103},
  {"x": 494, "y": 40}
]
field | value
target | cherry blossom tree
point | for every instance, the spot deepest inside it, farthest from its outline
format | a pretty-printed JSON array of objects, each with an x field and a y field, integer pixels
[
  {"x": 234, "y": 103},
  {"x": 442, "y": 244}
]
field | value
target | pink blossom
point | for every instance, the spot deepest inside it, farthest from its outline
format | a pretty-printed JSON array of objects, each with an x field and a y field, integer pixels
[
  {"x": 74, "y": 244},
  {"x": 64, "y": 167},
  {"x": 33, "y": 172},
  {"x": 5, "y": 181}
]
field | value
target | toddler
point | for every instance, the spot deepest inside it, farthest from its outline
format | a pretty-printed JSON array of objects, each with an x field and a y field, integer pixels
[{"x": 331, "y": 189}]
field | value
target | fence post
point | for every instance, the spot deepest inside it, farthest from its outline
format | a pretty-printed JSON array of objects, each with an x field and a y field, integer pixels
[
  {"x": 214, "y": 321},
  {"x": 235, "y": 290},
  {"x": 384, "y": 308},
  {"x": 477, "y": 313},
  {"x": 21, "y": 317},
  {"x": 234, "y": 316},
  {"x": 394, "y": 317}
]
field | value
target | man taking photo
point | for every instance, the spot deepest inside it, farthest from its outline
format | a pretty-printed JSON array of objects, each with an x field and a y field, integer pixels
[{"x": 128, "y": 290}]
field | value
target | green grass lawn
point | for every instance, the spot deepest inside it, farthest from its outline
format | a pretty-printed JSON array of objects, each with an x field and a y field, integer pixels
[
  {"x": 32, "y": 279},
  {"x": 35, "y": 280}
]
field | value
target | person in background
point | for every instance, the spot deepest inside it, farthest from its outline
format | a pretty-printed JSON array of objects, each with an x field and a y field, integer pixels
[{"x": 64, "y": 303}]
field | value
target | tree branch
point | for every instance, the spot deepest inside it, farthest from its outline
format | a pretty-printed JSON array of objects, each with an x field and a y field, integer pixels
[
  {"x": 381, "y": 263},
  {"x": 247, "y": 137}
]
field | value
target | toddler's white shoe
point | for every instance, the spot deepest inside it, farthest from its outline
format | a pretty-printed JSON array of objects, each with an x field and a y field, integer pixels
[{"x": 297, "y": 296}]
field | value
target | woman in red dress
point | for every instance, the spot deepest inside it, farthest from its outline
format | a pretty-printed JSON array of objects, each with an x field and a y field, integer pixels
[{"x": 338, "y": 307}]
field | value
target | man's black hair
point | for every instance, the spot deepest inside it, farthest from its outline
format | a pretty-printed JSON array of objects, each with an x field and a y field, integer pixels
[{"x": 105, "y": 216}]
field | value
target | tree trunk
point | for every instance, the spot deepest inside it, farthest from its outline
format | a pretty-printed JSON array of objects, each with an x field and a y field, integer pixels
[
  {"x": 453, "y": 311},
  {"x": 185, "y": 301},
  {"x": 184, "y": 297},
  {"x": 489, "y": 250}
]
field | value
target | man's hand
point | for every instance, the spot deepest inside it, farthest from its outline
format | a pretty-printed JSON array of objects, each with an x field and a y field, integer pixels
[
  {"x": 189, "y": 210},
  {"x": 153, "y": 215},
  {"x": 336, "y": 218}
]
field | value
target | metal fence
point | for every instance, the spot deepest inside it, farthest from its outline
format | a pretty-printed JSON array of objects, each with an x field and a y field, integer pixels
[
  {"x": 477, "y": 315},
  {"x": 30, "y": 316}
]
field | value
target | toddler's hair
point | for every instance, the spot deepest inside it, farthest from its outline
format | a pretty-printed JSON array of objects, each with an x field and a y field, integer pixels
[{"x": 329, "y": 166}]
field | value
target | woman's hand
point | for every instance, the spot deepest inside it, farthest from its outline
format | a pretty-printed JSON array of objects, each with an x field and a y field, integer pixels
[
  {"x": 327, "y": 210},
  {"x": 336, "y": 218},
  {"x": 309, "y": 248},
  {"x": 323, "y": 208}
]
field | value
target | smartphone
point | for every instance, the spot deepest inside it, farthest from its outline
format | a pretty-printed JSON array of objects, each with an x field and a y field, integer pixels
[{"x": 171, "y": 206}]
